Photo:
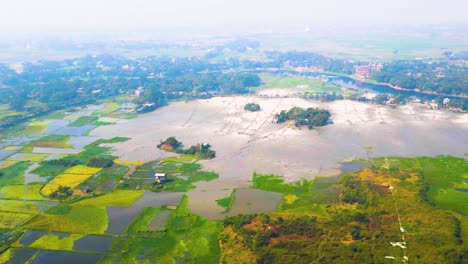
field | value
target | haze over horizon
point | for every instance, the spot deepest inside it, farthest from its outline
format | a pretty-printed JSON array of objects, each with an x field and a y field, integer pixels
[{"x": 56, "y": 15}]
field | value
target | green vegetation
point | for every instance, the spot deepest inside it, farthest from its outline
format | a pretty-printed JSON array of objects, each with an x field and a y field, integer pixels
[
  {"x": 203, "y": 150},
  {"x": 83, "y": 120},
  {"x": 141, "y": 222},
  {"x": 81, "y": 219},
  {"x": 353, "y": 218},
  {"x": 54, "y": 242},
  {"x": 115, "y": 198},
  {"x": 23, "y": 192},
  {"x": 227, "y": 202},
  {"x": 252, "y": 107},
  {"x": 100, "y": 162},
  {"x": 53, "y": 141},
  {"x": 310, "y": 117},
  {"x": 188, "y": 238},
  {"x": 13, "y": 174},
  {"x": 272, "y": 81}
]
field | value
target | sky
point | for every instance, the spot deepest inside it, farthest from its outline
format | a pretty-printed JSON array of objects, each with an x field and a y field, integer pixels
[{"x": 50, "y": 15}]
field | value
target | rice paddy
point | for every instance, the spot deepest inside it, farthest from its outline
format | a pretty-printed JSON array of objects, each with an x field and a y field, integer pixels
[{"x": 70, "y": 178}]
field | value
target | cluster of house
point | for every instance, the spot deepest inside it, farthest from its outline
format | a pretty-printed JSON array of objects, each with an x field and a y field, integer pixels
[{"x": 367, "y": 70}]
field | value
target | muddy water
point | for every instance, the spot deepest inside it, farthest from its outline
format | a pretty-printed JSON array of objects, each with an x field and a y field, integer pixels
[{"x": 248, "y": 142}]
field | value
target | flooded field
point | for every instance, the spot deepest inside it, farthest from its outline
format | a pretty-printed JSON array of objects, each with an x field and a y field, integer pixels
[
  {"x": 121, "y": 217},
  {"x": 93, "y": 243},
  {"x": 250, "y": 201},
  {"x": 249, "y": 141}
]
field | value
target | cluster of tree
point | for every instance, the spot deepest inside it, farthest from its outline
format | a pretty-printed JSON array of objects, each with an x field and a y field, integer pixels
[
  {"x": 100, "y": 162},
  {"x": 310, "y": 117},
  {"x": 298, "y": 237},
  {"x": 203, "y": 150},
  {"x": 252, "y": 107},
  {"x": 354, "y": 191},
  {"x": 51, "y": 85},
  {"x": 62, "y": 192},
  {"x": 63, "y": 162},
  {"x": 309, "y": 59},
  {"x": 171, "y": 142},
  {"x": 437, "y": 77}
]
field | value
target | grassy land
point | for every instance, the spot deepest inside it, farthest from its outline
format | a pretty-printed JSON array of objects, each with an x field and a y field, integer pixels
[
  {"x": 115, "y": 198},
  {"x": 13, "y": 174},
  {"x": 227, "y": 202},
  {"x": 84, "y": 120},
  {"x": 189, "y": 238},
  {"x": 352, "y": 219},
  {"x": 53, "y": 141},
  {"x": 21, "y": 192},
  {"x": 141, "y": 222},
  {"x": 54, "y": 242},
  {"x": 274, "y": 81},
  {"x": 79, "y": 219}
]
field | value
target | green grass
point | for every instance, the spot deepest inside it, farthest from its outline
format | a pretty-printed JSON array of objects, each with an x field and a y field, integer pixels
[
  {"x": 12, "y": 220},
  {"x": 188, "y": 238},
  {"x": 181, "y": 158},
  {"x": 19, "y": 206},
  {"x": 204, "y": 176},
  {"x": 13, "y": 174},
  {"x": 115, "y": 198},
  {"x": 84, "y": 120},
  {"x": 141, "y": 222},
  {"x": 80, "y": 220},
  {"x": 274, "y": 81},
  {"x": 54, "y": 242},
  {"x": 227, "y": 202},
  {"x": 21, "y": 192},
  {"x": 442, "y": 174}
]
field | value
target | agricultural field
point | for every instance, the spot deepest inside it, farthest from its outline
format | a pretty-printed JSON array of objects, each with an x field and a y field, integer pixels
[{"x": 57, "y": 206}]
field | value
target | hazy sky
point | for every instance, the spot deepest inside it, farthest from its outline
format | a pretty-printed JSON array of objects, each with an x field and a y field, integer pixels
[{"x": 44, "y": 15}]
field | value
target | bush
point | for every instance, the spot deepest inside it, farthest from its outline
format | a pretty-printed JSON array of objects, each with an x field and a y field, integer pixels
[
  {"x": 100, "y": 163},
  {"x": 252, "y": 107}
]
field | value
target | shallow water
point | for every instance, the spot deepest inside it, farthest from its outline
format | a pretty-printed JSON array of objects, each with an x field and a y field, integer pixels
[
  {"x": 121, "y": 217},
  {"x": 249, "y": 201},
  {"x": 346, "y": 167},
  {"x": 31, "y": 177},
  {"x": 93, "y": 243},
  {"x": 75, "y": 131},
  {"x": 247, "y": 142},
  {"x": 159, "y": 221},
  {"x": 21, "y": 255}
]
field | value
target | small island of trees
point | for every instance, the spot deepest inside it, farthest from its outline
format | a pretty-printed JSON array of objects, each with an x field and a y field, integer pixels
[
  {"x": 203, "y": 150},
  {"x": 310, "y": 117},
  {"x": 252, "y": 107}
]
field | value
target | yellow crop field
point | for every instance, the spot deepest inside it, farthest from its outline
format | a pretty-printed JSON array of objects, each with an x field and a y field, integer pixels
[
  {"x": 70, "y": 178},
  {"x": 64, "y": 179},
  {"x": 10, "y": 148},
  {"x": 129, "y": 162},
  {"x": 81, "y": 169}
]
